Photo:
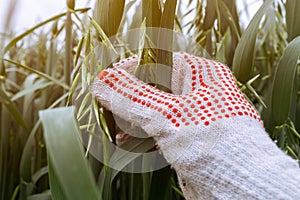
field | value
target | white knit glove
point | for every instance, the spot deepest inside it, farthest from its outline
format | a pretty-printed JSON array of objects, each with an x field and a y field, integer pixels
[{"x": 206, "y": 129}]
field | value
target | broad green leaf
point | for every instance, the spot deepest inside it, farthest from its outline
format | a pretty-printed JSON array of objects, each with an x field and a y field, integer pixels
[
  {"x": 66, "y": 154},
  {"x": 244, "y": 53},
  {"x": 292, "y": 18},
  {"x": 283, "y": 88},
  {"x": 56, "y": 186}
]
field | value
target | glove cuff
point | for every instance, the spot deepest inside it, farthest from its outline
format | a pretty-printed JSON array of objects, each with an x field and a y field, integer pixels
[{"x": 243, "y": 163}]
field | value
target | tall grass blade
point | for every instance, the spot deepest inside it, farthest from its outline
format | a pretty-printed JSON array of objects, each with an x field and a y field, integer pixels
[
  {"x": 66, "y": 154},
  {"x": 102, "y": 35},
  {"x": 39, "y": 85},
  {"x": 284, "y": 83},
  {"x": 292, "y": 18},
  {"x": 41, "y": 74},
  {"x": 27, "y": 184},
  {"x": 244, "y": 53}
]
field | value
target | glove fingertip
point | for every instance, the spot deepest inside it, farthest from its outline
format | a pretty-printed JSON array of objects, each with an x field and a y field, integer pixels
[
  {"x": 101, "y": 91},
  {"x": 102, "y": 74}
]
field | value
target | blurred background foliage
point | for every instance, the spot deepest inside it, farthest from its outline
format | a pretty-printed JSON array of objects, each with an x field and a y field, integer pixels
[{"x": 42, "y": 156}]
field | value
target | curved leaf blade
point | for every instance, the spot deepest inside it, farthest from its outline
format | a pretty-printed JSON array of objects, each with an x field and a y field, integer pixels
[
  {"x": 244, "y": 53},
  {"x": 292, "y": 18},
  {"x": 66, "y": 154},
  {"x": 282, "y": 94}
]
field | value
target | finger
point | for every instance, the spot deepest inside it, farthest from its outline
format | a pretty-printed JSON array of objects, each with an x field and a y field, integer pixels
[
  {"x": 189, "y": 72},
  {"x": 199, "y": 73},
  {"x": 128, "y": 64},
  {"x": 134, "y": 101},
  {"x": 181, "y": 71}
]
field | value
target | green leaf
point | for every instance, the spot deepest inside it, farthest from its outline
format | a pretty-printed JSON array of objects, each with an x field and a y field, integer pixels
[
  {"x": 56, "y": 186},
  {"x": 102, "y": 35},
  {"x": 26, "y": 164},
  {"x": 244, "y": 53},
  {"x": 293, "y": 18},
  {"x": 66, "y": 154},
  {"x": 33, "y": 88},
  {"x": 283, "y": 88}
]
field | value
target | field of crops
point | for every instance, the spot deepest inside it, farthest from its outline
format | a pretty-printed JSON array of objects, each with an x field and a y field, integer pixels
[{"x": 56, "y": 141}]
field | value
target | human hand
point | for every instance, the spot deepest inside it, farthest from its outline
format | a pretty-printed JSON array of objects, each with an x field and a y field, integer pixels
[{"x": 206, "y": 129}]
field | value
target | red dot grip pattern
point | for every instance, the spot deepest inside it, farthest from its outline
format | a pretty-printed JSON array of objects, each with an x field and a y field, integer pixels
[{"x": 214, "y": 94}]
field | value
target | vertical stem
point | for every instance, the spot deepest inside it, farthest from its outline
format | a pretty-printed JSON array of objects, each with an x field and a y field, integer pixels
[
  {"x": 68, "y": 45},
  {"x": 164, "y": 56}
]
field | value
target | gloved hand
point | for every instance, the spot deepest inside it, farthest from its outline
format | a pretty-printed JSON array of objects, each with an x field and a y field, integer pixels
[{"x": 206, "y": 129}]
